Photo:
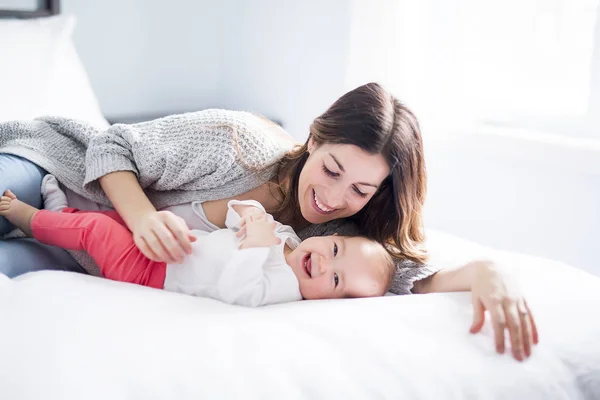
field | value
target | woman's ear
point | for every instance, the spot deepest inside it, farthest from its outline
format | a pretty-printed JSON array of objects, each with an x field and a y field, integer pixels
[{"x": 311, "y": 144}]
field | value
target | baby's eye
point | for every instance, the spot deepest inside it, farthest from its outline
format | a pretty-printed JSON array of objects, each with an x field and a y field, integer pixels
[
  {"x": 336, "y": 279},
  {"x": 335, "y": 249}
]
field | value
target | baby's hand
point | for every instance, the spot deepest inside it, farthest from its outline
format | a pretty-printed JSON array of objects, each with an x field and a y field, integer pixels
[
  {"x": 250, "y": 214},
  {"x": 259, "y": 233}
]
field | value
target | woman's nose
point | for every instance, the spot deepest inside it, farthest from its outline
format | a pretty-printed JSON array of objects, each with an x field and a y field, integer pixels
[{"x": 335, "y": 198}]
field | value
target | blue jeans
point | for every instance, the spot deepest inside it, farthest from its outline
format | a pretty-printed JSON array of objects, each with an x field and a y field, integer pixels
[{"x": 18, "y": 256}]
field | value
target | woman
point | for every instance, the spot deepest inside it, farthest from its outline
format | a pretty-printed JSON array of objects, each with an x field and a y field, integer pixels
[{"x": 361, "y": 168}]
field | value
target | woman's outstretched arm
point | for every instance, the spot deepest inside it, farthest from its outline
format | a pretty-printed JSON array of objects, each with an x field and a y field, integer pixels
[
  {"x": 160, "y": 235},
  {"x": 494, "y": 291}
]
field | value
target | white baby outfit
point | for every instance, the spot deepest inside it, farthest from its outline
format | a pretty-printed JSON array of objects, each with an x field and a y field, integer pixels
[{"x": 218, "y": 269}]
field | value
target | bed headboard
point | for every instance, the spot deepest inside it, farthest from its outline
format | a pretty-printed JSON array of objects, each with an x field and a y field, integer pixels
[{"x": 45, "y": 8}]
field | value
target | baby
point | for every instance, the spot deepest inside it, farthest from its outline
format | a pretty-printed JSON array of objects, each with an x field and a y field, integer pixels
[{"x": 254, "y": 262}]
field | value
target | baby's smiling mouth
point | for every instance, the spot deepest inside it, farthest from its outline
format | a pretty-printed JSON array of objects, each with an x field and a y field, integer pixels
[{"x": 307, "y": 264}]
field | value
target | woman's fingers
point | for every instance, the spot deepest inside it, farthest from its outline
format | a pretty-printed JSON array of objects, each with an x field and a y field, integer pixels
[
  {"x": 168, "y": 242},
  {"x": 499, "y": 324},
  {"x": 180, "y": 231},
  {"x": 154, "y": 242},
  {"x": 145, "y": 249},
  {"x": 534, "y": 331},
  {"x": 164, "y": 237},
  {"x": 513, "y": 322},
  {"x": 526, "y": 327},
  {"x": 515, "y": 316},
  {"x": 508, "y": 310},
  {"x": 478, "y": 315}
]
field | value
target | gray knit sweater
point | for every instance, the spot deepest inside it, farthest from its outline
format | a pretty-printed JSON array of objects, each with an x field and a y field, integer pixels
[{"x": 177, "y": 159}]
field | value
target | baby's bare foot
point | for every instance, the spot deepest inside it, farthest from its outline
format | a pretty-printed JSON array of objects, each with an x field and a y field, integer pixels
[
  {"x": 5, "y": 201},
  {"x": 17, "y": 212}
]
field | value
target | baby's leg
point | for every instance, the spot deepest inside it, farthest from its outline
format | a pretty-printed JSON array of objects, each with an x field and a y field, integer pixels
[
  {"x": 24, "y": 178},
  {"x": 105, "y": 239},
  {"x": 112, "y": 214},
  {"x": 17, "y": 212}
]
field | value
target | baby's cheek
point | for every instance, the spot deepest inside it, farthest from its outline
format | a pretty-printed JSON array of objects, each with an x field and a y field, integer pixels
[{"x": 313, "y": 289}]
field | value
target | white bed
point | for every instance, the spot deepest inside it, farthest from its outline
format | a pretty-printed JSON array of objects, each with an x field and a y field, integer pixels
[{"x": 69, "y": 336}]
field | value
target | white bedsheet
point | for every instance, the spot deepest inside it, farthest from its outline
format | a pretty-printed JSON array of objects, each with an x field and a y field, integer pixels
[{"x": 69, "y": 336}]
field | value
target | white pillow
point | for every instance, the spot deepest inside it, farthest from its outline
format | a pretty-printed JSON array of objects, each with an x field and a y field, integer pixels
[
  {"x": 41, "y": 73},
  {"x": 5, "y": 280},
  {"x": 70, "y": 93},
  {"x": 28, "y": 50}
]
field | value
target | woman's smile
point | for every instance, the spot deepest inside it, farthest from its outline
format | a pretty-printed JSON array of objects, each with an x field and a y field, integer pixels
[{"x": 320, "y": 206}]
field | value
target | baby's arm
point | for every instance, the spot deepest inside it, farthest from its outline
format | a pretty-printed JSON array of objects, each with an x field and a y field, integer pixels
[
  {"x": 250, "y": 211},
  {"x": 244, "y": 280},
  {"x": 240, "y": 211},
  {"x": 252, "y": 223}
]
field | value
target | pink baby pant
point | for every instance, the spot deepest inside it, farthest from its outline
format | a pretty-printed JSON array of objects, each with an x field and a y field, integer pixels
[{"x": 105, "y": 237}]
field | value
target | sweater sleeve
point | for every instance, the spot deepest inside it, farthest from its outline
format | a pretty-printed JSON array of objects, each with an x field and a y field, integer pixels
[
  {"x": 407, "y": 272},
  {"x": 186, "y": 152}
]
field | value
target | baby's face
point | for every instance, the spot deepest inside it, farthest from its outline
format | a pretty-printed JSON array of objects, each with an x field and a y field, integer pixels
[{"x": 338, "y": 266}]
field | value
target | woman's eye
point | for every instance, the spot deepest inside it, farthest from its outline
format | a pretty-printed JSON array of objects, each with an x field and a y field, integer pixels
[
  {"x": 336, "y": 279},
  {"x": 330, "y": 172},
  {"x": 335, "y": 249},
  {"x": 358, "y": 192}
]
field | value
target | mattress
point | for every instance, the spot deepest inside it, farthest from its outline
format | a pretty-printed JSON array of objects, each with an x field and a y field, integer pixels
[{"x": 71, "y": 336}]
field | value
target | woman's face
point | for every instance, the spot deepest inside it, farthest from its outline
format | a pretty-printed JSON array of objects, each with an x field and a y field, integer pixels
[{"x": 338, "y": 180}]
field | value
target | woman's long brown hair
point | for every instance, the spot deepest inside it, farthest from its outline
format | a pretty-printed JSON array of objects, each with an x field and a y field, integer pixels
[{"x": 371, "y": 118}]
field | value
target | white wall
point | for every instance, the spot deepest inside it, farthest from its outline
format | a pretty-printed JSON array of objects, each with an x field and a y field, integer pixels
[
  {"x": 539, "y": 199},
  {"x": 148, "y": 56},
  {"x": 287, "y": 60},
  {"x": 279, "y": 58}
]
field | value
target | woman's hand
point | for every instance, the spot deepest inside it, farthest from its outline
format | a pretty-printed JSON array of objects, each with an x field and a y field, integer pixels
[
  {"x": 160, "y": 235},
  {"x": 163, "y": 237},
  {"x": 493, "y": 291}
]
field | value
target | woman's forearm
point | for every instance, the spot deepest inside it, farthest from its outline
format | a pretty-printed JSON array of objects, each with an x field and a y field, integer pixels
[
  {"x": 457, "y": 279},
  {"x": 127, "y": 196}
]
